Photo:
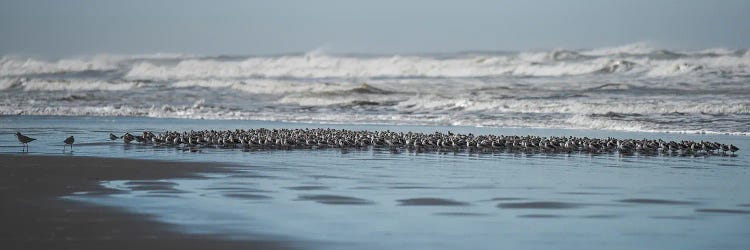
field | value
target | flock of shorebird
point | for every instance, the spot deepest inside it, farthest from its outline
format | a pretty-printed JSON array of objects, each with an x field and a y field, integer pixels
[{"x": 286, "y": 139}]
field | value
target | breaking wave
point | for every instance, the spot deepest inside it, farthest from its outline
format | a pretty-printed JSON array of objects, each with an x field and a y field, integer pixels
[
  {"x": 633, "y": 88},
  {"x": 326, "y": 66},
  {"x": 26, "y": 84},
  {"x": 12, "y": 66},
  {"x": 643, "y": 60}
]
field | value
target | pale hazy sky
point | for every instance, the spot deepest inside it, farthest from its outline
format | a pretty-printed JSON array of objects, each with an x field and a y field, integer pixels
[{"x": 74, "y": 27}]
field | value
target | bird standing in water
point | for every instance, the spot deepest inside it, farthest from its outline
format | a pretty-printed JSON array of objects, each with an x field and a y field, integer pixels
[
  {"x": 733, "y": 148},
  {"x": 24, "y": 140},
  {"x": 127, "y": 138},
  {"x": 69, "y": 142}
]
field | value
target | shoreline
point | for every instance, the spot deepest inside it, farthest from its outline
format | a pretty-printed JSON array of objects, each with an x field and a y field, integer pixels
[
  {"x": 36, "y": 217},
  {"x": 322, "y": 123}
]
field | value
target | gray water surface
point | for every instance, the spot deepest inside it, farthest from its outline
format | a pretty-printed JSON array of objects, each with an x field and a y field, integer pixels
[{"x": 375, "y": 199}]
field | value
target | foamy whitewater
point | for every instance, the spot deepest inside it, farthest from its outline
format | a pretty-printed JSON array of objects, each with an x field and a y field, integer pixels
[{"x": 629, "y": 88}]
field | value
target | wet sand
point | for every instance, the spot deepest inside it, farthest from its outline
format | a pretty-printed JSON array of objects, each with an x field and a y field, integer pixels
[{"x": 35, "y": 217}]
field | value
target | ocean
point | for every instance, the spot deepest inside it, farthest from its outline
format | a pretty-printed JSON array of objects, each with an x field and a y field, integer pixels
[
  {"x": 629, "y": 88},
  {"x": 373, "y": 198}
]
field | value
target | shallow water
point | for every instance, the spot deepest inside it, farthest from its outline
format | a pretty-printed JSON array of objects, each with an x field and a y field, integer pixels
[{"x": 373, "y": 199}]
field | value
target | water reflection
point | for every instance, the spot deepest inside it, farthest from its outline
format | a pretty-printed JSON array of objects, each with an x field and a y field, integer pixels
[{"x": 378, "y": 199}]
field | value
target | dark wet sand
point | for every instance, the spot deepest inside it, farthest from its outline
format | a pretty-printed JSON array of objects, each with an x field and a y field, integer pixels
[{"x": 34, "y": 217}]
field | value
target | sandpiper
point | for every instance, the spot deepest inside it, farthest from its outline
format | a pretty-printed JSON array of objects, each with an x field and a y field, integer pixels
[
  {"x": 69, "y": 142},
  {"x": 733, "y": 148},
  {"x": 127, "y": 138},
  {"x": 24, "y": 140}
]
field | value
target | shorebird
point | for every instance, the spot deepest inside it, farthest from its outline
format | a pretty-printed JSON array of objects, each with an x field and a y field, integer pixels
[
  {"x": 69, "y": 142},
  {"x": 733, "y": 148},
  {"x": 140, "y": 139},
  {"x": 127, "y": 138},
  {"x": 24, "y": 140}
]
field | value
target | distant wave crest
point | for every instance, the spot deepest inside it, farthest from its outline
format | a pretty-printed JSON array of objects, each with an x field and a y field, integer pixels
[
  {"x": 643, "y": 60},
  {"x": 632, "y": 87}
]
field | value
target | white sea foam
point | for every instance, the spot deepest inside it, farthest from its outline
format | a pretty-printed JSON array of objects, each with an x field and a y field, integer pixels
[
  {"x": 205, "y": 112},
  {"x": 636, "y": 57},
  {"x": 10, "y": 66},
  {"x": 6, "y": 83},
  {"x": 267, "y": 86},
  {"x": 633, "y": 87},
  {"x": 714, "y": 51},
  {"x": 640, "y": 48},
  {"x": 409, "y": 66},
  {"x": 26, "y": 84},
  {"x": 314, "y": 67},
  {"x": 735, "y": 65}
]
